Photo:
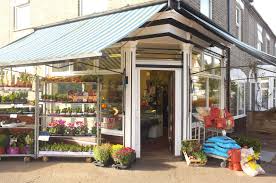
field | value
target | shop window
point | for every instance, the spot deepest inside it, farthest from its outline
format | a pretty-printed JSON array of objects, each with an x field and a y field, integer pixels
[
  {"x": 206, "y": 8},
  {"x": 267, "y": 44},
  {"x": 274, "y": 92},
  {"x": 260, "y": 37},
  {"x": 237, "y": 102},
  {"x": 22, "y": 17},
  {"x": 87, "y": 7},
  {"x": 214, "y": 92},
  {"x": 112, "y": 102},
  {"x": 263, "y": 94},
  {"x": 196, "y": 62},
  {"x": 238, "y": 22}
]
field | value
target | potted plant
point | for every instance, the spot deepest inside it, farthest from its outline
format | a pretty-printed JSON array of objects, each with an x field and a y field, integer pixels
[
  {"x": 69, "y": 111},
  {"x": 91, "y": 112},
  {"x": 102, "y": 155},
  {"x": 61, "y": 127},
  {"x": 115, "y": 149},
  {"x": 29, "y": 140},
  {"x": 74, "y": 112},
  {"x": 53, "y": 128},
  {"x": 94, "y": 131},
  {"x": 70, "y": 129},
  {"x": 57, "y": 111},
  {"x": 13, "y": 149},
  {"x": 81, "y": 128},
  {"x": 124, "y": 158},
  {"x": 63, "y": 111},
  {"x": 193, "y": 153},
  {"x": 86, "y": 110},
  {"x": 4, "y": 141},
  {"x": 79, "y": 111}
]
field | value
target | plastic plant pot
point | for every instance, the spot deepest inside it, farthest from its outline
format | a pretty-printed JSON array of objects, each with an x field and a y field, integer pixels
[
  {"x": 13, "y": 150},
  {"x": 2, "y": 150}
]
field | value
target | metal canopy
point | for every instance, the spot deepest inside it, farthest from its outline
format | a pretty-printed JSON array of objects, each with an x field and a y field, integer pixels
[
  {"x": 79, "y": 39},
  {"x": 189, "y": 12}
]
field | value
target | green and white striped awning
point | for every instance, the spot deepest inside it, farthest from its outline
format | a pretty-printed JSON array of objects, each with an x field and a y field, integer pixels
[{"x": 79, "y": 39}]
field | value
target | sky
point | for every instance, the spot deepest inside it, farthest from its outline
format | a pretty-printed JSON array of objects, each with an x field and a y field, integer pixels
[{"x": 267, "y": 9}]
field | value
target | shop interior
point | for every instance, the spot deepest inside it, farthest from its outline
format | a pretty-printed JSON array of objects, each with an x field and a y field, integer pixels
[{"x": 157, "y": 119}]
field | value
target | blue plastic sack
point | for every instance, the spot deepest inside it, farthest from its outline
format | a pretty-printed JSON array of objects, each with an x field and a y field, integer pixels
[
  {"x": 214, "y": 152},
  {"x": 221, "y": 149},
  {"x": 221, "y": 139},
  {"x": 212, "y": 145},
  {"x": 228, "y": 146}
]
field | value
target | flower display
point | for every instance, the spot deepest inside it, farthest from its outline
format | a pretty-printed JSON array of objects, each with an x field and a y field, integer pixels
[
  {"x": 125, "y": 156},
  {"x": 60, "y": 127}
]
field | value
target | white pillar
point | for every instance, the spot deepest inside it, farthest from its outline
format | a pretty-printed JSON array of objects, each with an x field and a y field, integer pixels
[
  {"x": 222, "y": 84},
  {"x": 128, "y": 53},
  {"x": 187, "y": 96}
]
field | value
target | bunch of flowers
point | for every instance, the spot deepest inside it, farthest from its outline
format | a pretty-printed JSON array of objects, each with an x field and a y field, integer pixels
[
  {"x": 80, "y": 128},
  {"x": 70, "y": 129},
  {"x": 56, "y": 127},
  {"x": 125, "y": 156}
]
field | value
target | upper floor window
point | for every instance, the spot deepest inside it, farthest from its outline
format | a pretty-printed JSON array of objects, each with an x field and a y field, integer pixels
[
  {"x": 22, "y": 17},
  {"x": 238, "y": 22},
  {"x": 87, "y": 7},
  {"x": 260, "y": 37},
  {"x": 206, "y": 7},
  {"x": 267, "y": 44}
]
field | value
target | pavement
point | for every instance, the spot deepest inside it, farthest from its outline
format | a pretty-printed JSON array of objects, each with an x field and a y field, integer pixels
[{"x": 147, "y": 170}]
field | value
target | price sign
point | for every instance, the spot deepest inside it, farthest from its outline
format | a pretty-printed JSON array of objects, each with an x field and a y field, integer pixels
[
  {"x": 44, "y": 138},
  {"x": 13, "y": 115}
]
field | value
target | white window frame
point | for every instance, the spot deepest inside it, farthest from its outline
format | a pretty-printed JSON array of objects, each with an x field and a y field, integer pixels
[
  {"x": 17, "y": 6},
  {"x": 210, "y": 3},
  {"x": 259, "y": 37},
  {"x": 239, "y": 21}
]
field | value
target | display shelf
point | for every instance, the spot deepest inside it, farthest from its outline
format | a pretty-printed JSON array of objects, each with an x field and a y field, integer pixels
[
  {"x": 61, "y": 116},
  {"x": 60, "y": 102},
  {"x": 17, "y": 155},
  {"x": 4, "y": 105},
  {"x": 112, "y": 132},
  {"x": 10, "y": 88},
  {"x": 20, "y": 127},
  {"x": 31, "y": 114},
  {"x": 64, "y": 154}
]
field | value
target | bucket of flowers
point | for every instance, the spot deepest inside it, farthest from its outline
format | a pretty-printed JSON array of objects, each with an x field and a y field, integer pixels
[{"x": 124, "y": 158}]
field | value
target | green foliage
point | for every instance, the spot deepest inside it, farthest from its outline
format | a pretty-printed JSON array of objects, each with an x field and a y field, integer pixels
[
  {"x": 102, "y": 153},
  {"x": 125, "y": 156},
  {"x": 61, "y": 147},
  {"x": 200, "y": 155},
  {"x": 190, "y": 146},
  {"x": 4, "y": 140},
  {"x": 249, "y": 142}
]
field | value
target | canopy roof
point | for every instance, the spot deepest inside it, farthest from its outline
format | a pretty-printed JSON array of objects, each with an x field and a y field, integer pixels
[
  {"x": 237, "y": 74},
  {"x": 79, "y": 39}
]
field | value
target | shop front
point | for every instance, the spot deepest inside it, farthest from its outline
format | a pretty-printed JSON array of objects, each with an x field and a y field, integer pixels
[{"x": 139, "y": 84}]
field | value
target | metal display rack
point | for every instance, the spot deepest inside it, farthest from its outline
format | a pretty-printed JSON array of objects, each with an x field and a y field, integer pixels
[
  {"x": 14, "y": 121},
  {"x": 49, "y": 115}
]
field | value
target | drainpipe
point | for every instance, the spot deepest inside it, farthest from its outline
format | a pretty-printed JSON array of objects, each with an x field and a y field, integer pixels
[{"x": 228, "y": 15}]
